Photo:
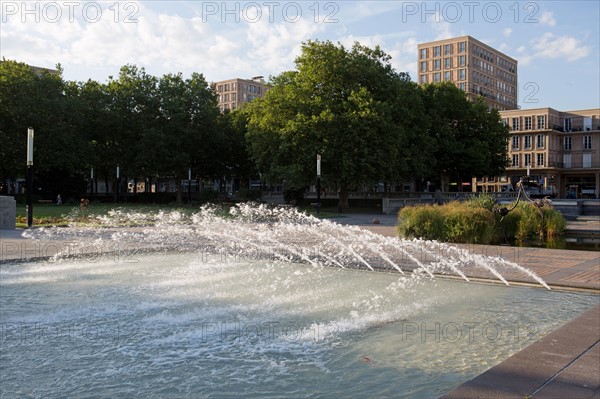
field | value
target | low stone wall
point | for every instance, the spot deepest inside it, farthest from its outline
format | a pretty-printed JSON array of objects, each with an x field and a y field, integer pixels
[{"x": 8, "y": 213}]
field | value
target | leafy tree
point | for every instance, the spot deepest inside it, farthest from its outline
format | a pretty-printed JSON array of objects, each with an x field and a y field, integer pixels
[
  {"x": 469, "y": 139},
  {"x": 44, "y": 101},
  {"x": 345, "y": 104}
]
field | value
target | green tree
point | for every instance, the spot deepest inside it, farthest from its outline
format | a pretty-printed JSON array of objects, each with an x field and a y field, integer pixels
[
  {"x": 345, "y": 104},
  {"x": 468, "y": 138},
  {"x": 44, "y": 101}
]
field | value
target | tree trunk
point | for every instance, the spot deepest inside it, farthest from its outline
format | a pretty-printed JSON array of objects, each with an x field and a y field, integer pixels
[{"x": 343, "y": 199}]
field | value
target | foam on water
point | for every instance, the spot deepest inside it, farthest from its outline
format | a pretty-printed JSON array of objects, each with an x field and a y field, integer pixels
[
  {"x": 264, "y": 302},
  {"x": 280, "y": 234}
]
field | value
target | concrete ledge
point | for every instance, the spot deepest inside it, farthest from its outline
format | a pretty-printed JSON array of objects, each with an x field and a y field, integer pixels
[
  {"x": 8, "y": 213},
  {"x": 563, "y": 364}
]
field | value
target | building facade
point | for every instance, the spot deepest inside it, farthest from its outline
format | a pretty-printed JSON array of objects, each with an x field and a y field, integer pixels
[
  {"x": 558, "y": 150},
  {"x": 473, "y": 66},
  {"x": 232, "y": 93}
]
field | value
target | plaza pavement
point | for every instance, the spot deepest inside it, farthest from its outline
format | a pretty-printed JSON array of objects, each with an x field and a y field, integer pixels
[{"x": 563, "y": 364}]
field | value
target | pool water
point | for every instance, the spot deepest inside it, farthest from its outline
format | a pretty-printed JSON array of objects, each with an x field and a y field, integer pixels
[{"x": 186, "y": 325}]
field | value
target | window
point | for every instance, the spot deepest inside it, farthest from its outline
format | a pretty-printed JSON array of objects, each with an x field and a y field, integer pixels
[
  {"x": 515, "y": 160},
  {"x": 568, "y": 124},
  {"x": 226, "y": 97},
  {"x": 436, "y": 51},
  {"x": 423, "y": 66},
  {"x": 462, "y": 61},
  {"x": 567, "y": 142},
  {"x": 527, "y": 142},
  {"x": 515, "y": 142},
  {"x": 540, "y": 141},
  {"x": 220, "y": 88},
  {"x": 527, "y": 122},
  {"x": 462, "y": 75},
  {"x": 527, "y": 159},
  {"x": 447, "y": 75},
  {"x": 436, "y": 77},
  {"x": 226, "y": 86},
  {"x": 587, "y": 160},
  {"x": 423, "y": 79},
  {"x": 587, "y": 142},
  {"x": 448, "y": 63},
  {"x": 233, "y": 86},
  {"x": 233, "y": 96},
  {"x": 436, "y": 65},
  {"x": 566, "y": 161},
  {"x": 462, "y": 47},
  {"x": 540, "y": 159},
  {"x": 541, "y": 122},
  {"x": 462, "y": 86},
  {"x": 447, "y": 49},
  {"x": 515, "y": 123},
  {"x": 423, "y": 53}
]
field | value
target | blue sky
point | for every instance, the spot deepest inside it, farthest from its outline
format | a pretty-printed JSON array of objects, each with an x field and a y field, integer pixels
[{"x": 556, "y": 42}]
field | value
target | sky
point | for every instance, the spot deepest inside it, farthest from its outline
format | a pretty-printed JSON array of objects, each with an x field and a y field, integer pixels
[{"x": 556, "y": 43}]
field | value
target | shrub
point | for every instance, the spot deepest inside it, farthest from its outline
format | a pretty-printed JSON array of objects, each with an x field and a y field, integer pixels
[
  {"x": 483, "y": 200},
  {"x": 476, "y": 222},
  {"x": 554, "y": 223},
  {"x": 425, "y": 222},
  {"x": 467, "y": 224}
]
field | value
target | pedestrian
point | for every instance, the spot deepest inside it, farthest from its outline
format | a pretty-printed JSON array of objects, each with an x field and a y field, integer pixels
[{"x": 58, "y": 200}]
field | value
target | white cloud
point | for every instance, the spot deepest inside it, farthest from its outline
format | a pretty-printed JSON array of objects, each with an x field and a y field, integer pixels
[
  {"x": 506, "y": 32},
  {"x": 547, "y": 18},
  {"x": 565, "y": 47}
]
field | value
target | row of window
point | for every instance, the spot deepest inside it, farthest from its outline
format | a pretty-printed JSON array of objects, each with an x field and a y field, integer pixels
[
  {"x": 233, "y": 86},
  {"x": 568, "y": 142},
  {"x": 540, "y": 142},
  {"x": 540, "y": 160},
  {"x": 448, "y": 63},
  {"x": 527, "y": 158},
  {"x": 527, "y": 122},
  {"x": 461, "y": 47}
]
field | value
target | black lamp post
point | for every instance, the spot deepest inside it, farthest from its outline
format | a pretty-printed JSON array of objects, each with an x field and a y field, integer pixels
[
  {"x": 117, "y": 188},
  {"x": 29, "y": 177},
  {"x": 92, "y": 181},
  {"x": 190, "y": 186},
  {"x": 318, "y": 184}
]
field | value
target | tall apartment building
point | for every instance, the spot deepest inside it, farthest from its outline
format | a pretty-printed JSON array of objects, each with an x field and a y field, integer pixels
[
  {"x": 232, "y": 93},
  {"x": 560, "y": 151},
  {"x": 473, "y": 66}
]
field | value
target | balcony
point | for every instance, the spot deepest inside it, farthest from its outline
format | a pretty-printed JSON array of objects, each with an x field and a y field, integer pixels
[{"x": 575, "y": 165}]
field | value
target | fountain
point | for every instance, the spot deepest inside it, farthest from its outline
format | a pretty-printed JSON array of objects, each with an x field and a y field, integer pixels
[{"x": 262, "y": 302}]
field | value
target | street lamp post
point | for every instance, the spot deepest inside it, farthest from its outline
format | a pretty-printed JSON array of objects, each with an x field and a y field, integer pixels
[
  {"x": 318, "y": 184},
  {"x": 190, "y": 186},
  {"x": 92, "y": 181},
  {"x": 29, "y": 177},
  {"x": 117, "y": 188}
]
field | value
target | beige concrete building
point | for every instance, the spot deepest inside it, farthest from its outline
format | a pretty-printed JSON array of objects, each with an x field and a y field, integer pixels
[
  {"x": 558, "y": 150},
  {"x": 473, "y": 66},
  {"x": 232, "y": 93}
]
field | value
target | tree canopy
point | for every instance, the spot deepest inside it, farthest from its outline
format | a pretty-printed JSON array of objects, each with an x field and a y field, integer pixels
[{"x": 348, "y": 105}]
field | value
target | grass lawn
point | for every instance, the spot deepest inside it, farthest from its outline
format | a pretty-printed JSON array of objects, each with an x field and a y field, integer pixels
[{"x": 62, "y": 215}]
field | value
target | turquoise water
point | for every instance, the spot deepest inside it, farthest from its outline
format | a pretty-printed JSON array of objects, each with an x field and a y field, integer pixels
[{"x": 195, "y": 326}]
